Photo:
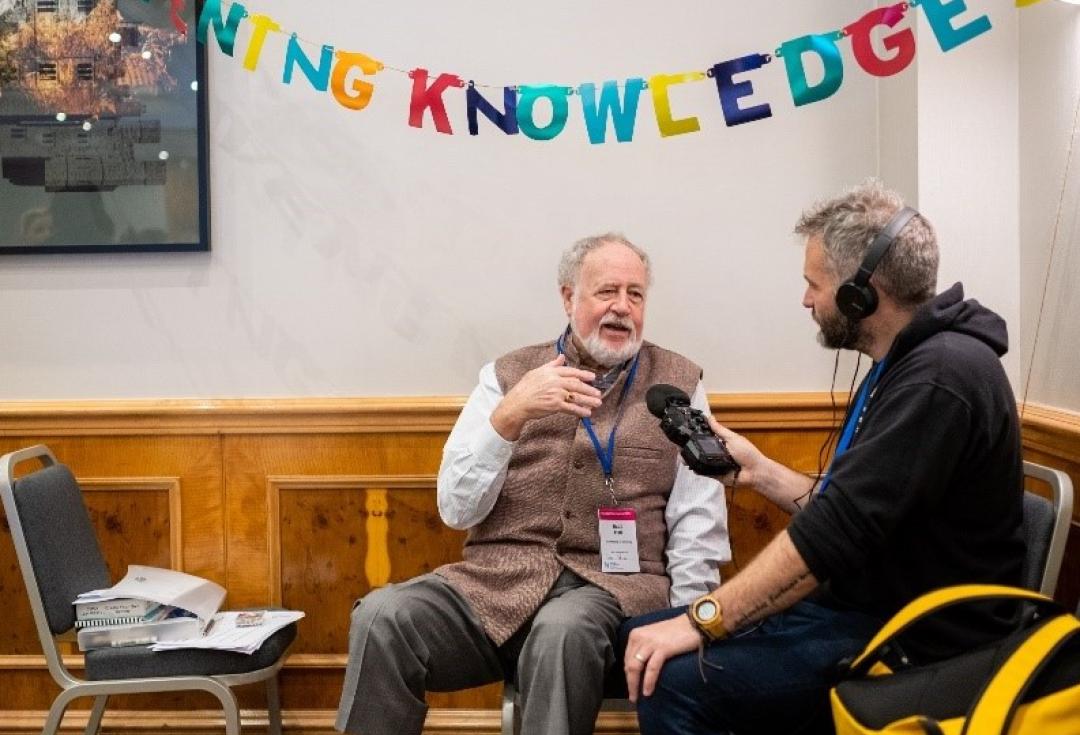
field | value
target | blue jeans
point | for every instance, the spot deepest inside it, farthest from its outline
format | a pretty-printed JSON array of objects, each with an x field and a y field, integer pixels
[{"x": 775, "y": 677}]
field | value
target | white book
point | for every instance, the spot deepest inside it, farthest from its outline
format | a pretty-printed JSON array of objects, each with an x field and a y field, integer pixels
[{"x": 163, "y": 586}]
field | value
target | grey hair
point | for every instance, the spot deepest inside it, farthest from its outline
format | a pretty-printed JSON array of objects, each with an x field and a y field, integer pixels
[
  {"x": 574, "y": 256},
  {"x": 848, "y": 224}
]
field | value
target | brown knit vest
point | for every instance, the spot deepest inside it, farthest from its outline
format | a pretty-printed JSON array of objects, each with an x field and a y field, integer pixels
[{"x": 545, "y": 517}]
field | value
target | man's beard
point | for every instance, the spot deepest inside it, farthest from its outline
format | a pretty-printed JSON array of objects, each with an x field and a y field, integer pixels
[
  {"x": 839, "y": 332},
  {"x": 604, "y": 355}
]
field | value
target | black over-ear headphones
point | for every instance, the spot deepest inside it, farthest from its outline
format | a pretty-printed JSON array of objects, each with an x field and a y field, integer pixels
[{"x": 856, "y": 299}]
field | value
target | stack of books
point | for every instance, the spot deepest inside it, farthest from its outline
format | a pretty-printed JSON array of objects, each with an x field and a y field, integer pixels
[
  {"x": 149, "y": 605},
  {"x": 132, "y": 622},
  {"x": 171, "y": 610}
]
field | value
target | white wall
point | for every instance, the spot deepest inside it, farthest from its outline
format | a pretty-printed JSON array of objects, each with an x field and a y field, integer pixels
[
  {"x": 354, "y": 255},
  {"x": 969, "y": 165},
  {"x": 1049, "y": 88}
]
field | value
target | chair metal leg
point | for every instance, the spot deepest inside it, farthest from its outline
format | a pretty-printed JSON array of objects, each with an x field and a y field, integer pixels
[
  {"x": 273, "y": 706},
  {"x": 228, "y": 705},
  {"x": 94, "y": 723},
  {"x": 56, "y": 711},
  {"x": 509, "y": 694},
  {"x": 232, "y": 718}
]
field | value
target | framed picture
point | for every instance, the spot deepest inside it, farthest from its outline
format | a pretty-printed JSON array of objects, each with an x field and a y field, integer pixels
[{"x": 103, "y": 143}]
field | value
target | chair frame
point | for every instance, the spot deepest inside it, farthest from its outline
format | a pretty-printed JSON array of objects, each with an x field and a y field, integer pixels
[
  {"x": 1061, "y": 492},
  {"x": 73, "y": 687}
]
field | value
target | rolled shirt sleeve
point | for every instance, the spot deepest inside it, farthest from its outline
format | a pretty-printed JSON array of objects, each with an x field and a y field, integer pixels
[{"x": 474, "y": 459}]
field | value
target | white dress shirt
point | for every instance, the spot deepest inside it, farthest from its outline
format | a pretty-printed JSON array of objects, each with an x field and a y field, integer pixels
[{"x": 474, "y": 465}]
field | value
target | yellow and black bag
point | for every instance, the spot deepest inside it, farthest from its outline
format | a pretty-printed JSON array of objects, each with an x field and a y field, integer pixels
[{"x": 1029, "y": 684}]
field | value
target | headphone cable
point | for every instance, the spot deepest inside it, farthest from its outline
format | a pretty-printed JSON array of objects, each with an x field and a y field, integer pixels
[{"x": 826, "y": 446}]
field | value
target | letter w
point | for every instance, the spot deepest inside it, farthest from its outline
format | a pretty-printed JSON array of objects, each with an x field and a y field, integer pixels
[{"x": 623, "y": 112}]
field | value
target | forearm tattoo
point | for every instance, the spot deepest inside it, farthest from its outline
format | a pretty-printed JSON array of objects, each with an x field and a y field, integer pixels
[{"x": 774, "y": 602}]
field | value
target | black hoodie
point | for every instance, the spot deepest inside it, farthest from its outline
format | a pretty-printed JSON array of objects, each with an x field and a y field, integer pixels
[{"x": 930, "y": 493}]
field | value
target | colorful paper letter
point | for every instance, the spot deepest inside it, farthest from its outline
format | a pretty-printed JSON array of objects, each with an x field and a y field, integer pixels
[
  {"x": 225, "y": 31},
  {"x": 263, "y": 24},
  {"x": 505, "y": 121},
  {"x": 730, "y": 91},
  {"x": 361, "y": 91},
  {"x": 295, "y": 56},
  {"x": 940, "y": 16},
  {"x": 823, "y": 45},
  {"x": 658, "y": 85},
  {"x": 560, "y": 108},
  {"x": 623, "y": 113},
  {"x": 902, "y": 42},
  {"x": 425, "y": 97}
]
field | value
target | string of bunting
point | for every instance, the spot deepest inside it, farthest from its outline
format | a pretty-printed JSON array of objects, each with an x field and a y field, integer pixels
[{"x": 345, "y": 74}]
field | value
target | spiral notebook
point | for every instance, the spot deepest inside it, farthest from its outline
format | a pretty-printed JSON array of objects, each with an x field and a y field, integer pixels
[{"x": 155, "y": 613}]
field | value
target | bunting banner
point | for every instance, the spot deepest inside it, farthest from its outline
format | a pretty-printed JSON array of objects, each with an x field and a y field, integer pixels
[{"x": 610, "y": 106}]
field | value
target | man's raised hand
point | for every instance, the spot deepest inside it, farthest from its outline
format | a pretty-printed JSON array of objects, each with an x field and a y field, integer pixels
[{"x": 551, "y": 388}]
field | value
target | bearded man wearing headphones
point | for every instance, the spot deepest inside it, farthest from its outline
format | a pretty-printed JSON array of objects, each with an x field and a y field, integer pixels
[{"x": 924, "y": 490}]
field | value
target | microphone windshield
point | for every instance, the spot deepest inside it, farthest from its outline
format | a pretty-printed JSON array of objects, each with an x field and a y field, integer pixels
[{"x": 660, "y": 395}]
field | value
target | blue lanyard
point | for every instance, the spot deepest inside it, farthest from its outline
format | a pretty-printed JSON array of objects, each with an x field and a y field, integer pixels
[
  {"x": 607, "y": 459},
  {"x": 851, "y": 426}
]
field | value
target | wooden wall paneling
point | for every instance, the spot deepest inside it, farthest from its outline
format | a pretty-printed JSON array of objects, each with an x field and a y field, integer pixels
[
  {"x": 334, "y": 539},
  {"x": 752, "y": 520},
  {"x": 251, "y": 459},
  {"x": 137, "y": 520},
  {"x": 302, "y": 511},
  {"x": 194, "y": 462},
  {"x": 310, "y": 503}
]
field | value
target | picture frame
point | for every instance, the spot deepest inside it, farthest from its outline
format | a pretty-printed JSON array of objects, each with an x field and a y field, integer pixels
[{"x": 103, "y": 128}]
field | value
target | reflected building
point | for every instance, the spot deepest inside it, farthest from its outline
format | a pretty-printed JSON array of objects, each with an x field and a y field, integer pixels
[
  {"x": 69, "y": 116},
  {"x": 63, "y": 156}
]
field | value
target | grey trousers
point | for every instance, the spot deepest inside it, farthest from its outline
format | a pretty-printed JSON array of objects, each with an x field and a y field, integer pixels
[{"x": 421, "y": 636}]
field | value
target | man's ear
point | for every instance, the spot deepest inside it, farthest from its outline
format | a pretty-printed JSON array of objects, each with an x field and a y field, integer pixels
[{"x": 567, "y": 299}]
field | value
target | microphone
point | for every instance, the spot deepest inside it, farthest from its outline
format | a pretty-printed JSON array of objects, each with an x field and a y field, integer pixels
[{"x": 703, "y": 451}]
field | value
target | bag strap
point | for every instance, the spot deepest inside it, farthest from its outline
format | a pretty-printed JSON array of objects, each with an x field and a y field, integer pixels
[
  {"x": 931, "y": 602},
  {"x": 995, "y": 707}
]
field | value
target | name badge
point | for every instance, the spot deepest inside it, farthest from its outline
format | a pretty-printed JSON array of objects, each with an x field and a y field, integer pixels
[{"x": 618, "y": 540}]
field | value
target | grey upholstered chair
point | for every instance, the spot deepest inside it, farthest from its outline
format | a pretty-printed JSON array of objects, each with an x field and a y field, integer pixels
[
  {"x": 1046, "y": 528},
  {"x": 59, "y": 557}
]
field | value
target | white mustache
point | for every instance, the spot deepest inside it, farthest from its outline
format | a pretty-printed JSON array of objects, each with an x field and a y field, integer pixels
[{"x": 617, "y": 321}]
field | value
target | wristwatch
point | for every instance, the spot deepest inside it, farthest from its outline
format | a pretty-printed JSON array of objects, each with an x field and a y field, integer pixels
[{"x": 707, "y": 617}]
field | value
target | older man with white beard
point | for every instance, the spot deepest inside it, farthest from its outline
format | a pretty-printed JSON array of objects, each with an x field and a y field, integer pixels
[{"x": 580, "y": 513}]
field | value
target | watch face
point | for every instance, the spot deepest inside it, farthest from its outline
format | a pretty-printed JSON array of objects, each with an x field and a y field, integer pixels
[{"x": 707, "y": 610}]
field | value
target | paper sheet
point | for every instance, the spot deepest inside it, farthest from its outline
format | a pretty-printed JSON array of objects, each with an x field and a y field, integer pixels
[{"x": 223, "y": 634}]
